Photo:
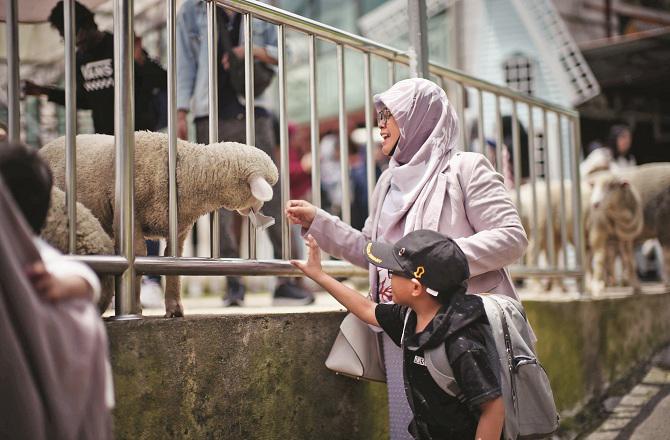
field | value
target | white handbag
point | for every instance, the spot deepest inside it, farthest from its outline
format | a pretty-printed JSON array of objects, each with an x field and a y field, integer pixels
[{"x": 357, "y": 352}]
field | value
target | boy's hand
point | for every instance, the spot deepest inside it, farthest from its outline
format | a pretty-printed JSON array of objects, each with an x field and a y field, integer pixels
[
  {"x": 311, "y": 267},
  {"x": 52, "y": 288},
  {"x": 45, "y": 284}
]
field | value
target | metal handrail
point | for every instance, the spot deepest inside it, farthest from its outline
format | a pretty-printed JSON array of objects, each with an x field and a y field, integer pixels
[
  {"x": 296, "y": 22},
  {"x": 126, "y": 265}
]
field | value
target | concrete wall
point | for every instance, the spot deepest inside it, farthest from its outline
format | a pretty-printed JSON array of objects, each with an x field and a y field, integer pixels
[{"x": 253, "y": 377}]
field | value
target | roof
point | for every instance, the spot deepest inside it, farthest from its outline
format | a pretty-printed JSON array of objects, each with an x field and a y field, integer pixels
[{"x": 636, "y": 61}]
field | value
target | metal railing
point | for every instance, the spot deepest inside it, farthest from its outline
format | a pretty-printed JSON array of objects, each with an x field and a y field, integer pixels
[{"x": 126, "y": 266}]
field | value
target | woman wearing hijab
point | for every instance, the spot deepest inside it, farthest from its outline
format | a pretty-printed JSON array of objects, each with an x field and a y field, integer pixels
[{"x": 429, "y": 185}]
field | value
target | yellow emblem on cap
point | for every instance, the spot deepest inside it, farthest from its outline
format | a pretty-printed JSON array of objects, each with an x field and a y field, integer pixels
[
  {"x": 418, "y": 273},
  {"x": 368, "y": 250}
]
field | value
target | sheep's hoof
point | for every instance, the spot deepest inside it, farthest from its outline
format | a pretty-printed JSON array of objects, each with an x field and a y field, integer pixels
[{"x": 174, "y": 311}]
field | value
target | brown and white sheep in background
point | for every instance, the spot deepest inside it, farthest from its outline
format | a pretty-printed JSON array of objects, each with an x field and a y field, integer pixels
[
  {"x": 209, "y": 177},
  {"x": 537, "y": 243},
  {"x": 652, "y": 182},
  {"x": 613, "y": 221},
  {"x": 91, "y": 238}
]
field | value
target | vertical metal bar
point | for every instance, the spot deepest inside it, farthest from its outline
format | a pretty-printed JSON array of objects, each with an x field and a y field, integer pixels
[
  {"x": 249, "y": 108},
  {"x": 70, "y": 126},
  {"x": 369, "y": 150},
  {"x": 533, "y": 181},
  {"x": 480, "y": 122},
  {"x": 213, "y": 63},
  {"x": 516, "y": 147},
  {"x": 283, "y": 144},
  {"x": 461, "y": 116},
  {"x": 392, "y": 74},
  {"x": 418, "y": 38},
  {"x": 551, "y": 257},
  {"x": 564, "y": 230},
  {"x": 13, "y": 89},
  {"x": 173, "y": 214},
  {"x": 126, "y": 304},
  {"x": 499, "y": 137},
  {"x": 314, "y": 125},
  {"x": 580, "y": 245},
  {"x": 344, "y": 138}
]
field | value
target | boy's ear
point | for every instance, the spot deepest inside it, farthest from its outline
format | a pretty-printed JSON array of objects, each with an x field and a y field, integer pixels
[{"x": 417, "y": 287}]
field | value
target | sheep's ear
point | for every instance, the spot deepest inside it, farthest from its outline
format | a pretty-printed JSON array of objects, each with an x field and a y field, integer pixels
[{"x": 260, "y": 188}]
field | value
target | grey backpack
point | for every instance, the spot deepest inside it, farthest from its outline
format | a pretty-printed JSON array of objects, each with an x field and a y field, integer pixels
[{"x": 530, "y": 411}]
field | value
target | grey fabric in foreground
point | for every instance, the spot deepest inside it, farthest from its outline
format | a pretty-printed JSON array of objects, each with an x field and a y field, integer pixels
[{"x": 52, "y": 356}]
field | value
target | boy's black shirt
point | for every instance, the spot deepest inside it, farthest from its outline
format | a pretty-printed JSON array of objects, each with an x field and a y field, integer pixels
[{"x": 456, "y": 326}]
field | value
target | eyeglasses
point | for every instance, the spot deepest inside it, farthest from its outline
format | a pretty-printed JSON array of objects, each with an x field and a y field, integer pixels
[{"x": 383, "y": 117}]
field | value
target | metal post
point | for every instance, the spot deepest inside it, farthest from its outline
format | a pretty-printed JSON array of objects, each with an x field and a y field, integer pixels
[
  {"x": 70, "y": 126},
  {"x": 283, "y": 144},
  {"x": 499, "y": 136},
  {"x": 418, "y": 38},
  {"x": 249, "y": 108},
  {"x": 580, "y": 245},
  {"x": 564, "y": 230},
  {"x": 173, "y": 214},
  {"x": 213, "y": 64},
  {"x": 369, "y": 148},
  {"x": 126, "y": 304},
  {"x": 13, "y": 89},
  {"x": 461, "y": 116},
  {"x": 344, "y": 137},
  {"x": 516, "y": 147},
  {"x": 314, "y": 125},
  {"x": 533, "y": 181},
  {"x": 551, "y": 257},
  {"x": 392, "y": 74},
  {"x": 480, "y": 121}
]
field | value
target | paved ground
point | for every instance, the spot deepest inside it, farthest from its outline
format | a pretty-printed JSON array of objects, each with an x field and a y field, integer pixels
[{"x": 643, "y": 414}]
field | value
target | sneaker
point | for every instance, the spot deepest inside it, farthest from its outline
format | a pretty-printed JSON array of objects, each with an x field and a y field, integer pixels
[
  {"x": 234, "y": 293},
  {"x": 290, "y": 294},
  {"x": 151, "y": 294}
]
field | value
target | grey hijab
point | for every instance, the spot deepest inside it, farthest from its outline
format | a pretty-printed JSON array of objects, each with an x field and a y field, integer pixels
[{"x": 428, "y": 132}]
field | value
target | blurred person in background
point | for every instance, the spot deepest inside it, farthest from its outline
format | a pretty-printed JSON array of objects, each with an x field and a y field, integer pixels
[{"x": 95, "y": 74}]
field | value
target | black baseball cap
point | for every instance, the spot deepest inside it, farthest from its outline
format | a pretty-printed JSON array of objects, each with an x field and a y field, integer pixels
[{"x": 430, "y": 257}]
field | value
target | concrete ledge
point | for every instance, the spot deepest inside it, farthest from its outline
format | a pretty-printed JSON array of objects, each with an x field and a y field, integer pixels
[
  {"x": 262, "y": 377},
  {"x": 238, "y": 377}
]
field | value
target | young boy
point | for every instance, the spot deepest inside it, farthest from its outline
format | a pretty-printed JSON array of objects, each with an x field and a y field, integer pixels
[
  {"x": 429, "y": 273},
  {"x": 29, "y": 180}
]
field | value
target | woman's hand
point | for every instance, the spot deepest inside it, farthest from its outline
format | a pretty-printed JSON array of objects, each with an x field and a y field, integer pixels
[
  {"x": 300, "y": 212},
  {"x": 312, "y": 267}
]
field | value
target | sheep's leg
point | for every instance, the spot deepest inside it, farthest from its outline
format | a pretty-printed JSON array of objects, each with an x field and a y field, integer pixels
[
  {"x": 173, "y": 306},
  {"x": 612, "y": 247},
  {"x": 599, "y": 261},
  {"x": 629, "y": 274},
  {"x": 140, "y": 251}
]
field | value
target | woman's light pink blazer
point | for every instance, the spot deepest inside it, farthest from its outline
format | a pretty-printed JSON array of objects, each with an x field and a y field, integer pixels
[{"x": 475, "y": 211}]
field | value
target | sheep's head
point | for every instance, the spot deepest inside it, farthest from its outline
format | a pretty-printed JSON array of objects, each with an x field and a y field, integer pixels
[
  {"x": 255, "y": 173},
  {"x": 611, "y": 193}
]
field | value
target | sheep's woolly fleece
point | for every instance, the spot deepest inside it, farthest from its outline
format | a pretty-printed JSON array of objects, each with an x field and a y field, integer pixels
[{"x": 91, "y": 239}]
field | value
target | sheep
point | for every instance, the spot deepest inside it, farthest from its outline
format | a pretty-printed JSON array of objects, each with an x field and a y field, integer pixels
[
  {"x": 91, "y": 239},
  {"x": 537, "y": 243},
  {"x": 209, "y": 177},
  {"x": 614, "y": 220},
  {"x": 652, "y": 182}
]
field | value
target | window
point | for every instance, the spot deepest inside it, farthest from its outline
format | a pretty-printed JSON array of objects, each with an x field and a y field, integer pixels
[{"x": 519, "y": 73}]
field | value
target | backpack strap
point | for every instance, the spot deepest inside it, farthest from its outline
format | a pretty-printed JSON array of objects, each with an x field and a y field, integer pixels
[{"x": 441, "y": 372}]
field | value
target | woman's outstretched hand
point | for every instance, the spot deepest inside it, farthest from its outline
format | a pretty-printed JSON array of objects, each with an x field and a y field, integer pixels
[
  {"x": 300, "y": 212},
  {"x": 311, "y": 267}
]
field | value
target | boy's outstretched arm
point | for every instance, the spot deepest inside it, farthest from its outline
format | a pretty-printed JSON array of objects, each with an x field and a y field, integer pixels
[
  {"x": 492, "y": 419},
  {"x": 357, "y": 304}
]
